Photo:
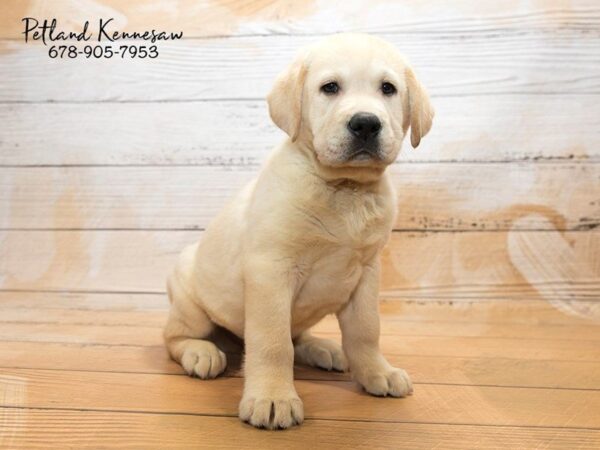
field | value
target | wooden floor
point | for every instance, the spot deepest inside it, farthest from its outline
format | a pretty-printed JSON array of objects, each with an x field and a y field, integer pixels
[
  {"x": 490, "y": 292},
  {"x": 89, "y": 369}
]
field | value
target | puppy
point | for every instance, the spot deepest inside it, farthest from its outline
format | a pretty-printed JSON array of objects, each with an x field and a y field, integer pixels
[{"x": 303, "y": 239}]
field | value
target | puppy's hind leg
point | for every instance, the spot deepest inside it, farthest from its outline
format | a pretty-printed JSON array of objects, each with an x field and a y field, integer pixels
[
  {"x": 321, "y": 353},
  {"x": 186, "y": 333}
]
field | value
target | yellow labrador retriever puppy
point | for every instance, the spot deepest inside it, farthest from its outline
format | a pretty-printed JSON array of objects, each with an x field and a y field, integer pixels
[{"x": 303, "y": 239}]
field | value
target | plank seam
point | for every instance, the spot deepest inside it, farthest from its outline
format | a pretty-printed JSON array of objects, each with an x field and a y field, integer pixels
[
  {"x": 384, "y": 318},
  {"x": 525, "y": 160},
  {"x": 385, "y": 296},
  {"x": 262, "y": 99},
  {"x": 330, "y": 333},
  {"x": 180, "y": 413},
  {"x": 576, "y": 229},
  {"x": 241, "y": 376},
  {"x": 94, "y": 344}
]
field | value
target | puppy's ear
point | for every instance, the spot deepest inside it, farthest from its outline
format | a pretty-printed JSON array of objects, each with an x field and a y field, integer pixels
[
  {"x": 285, "y": 99},
  {"x": 420, "y": 109}
]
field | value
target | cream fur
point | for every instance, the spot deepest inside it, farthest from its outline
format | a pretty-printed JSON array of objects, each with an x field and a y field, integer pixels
[{"x": 303, "y": 240}]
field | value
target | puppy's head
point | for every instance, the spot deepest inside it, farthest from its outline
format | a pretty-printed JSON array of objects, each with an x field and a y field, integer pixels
[{"x": 351, "y": 98}]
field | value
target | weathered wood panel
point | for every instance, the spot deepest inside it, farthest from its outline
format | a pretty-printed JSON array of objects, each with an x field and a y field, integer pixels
[
  {"x": 475, "y": 265},
  {"x": 111, "y": 307},
  {"x": 430, "y": 196},
  {"x": 511, "y": 127},
  {"x": 245, "y": 67},
  {"x": 58, "y": 429},
  {"x": 204, "y": 18}
]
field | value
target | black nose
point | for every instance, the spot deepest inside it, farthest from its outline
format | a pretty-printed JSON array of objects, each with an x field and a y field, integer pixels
[{"x": 364, "y": 126}]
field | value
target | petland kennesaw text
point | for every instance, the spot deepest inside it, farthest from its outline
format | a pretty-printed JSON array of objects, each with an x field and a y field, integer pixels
[{"x": 46, "y": 31}]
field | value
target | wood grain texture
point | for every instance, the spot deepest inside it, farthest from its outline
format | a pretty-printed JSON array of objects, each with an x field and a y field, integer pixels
[
  {"x": 430, "y": 197},
  {"x": 90, "y": 301},
  {"x": 206, "y": 18},
  {"x": 423, "y": 369},
  {"x": 112, "y": 308},
  {"x": 193, "y": 70},
  {"x": 64, "y": 336},
  {"x": 509, "y": 128},
  {"x": 392, "y": 324},
  {"x": 455, "y": 346},
  {"x": 462, "y": 264},
  {"x": 431, "y": 403},
  {"x": 57, "y": 429},
  {"x": 140, "y": 261}
]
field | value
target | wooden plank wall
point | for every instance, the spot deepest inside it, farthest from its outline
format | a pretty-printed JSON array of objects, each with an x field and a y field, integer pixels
[{"x": 108, "y": 168}]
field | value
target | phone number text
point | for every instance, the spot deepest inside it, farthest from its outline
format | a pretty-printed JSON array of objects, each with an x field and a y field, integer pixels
[{"x": 103, "y": 51}]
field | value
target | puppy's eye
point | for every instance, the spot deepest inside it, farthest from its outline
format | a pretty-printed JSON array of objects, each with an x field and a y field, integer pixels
[
  {"x": 388, "y": 88},
  {"x": 330, "y": 88}
]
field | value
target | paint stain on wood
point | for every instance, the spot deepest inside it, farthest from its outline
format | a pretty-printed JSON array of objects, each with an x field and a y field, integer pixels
[
  {"x": 268, "y": 9},
  {"x": 11, "y": 13},
  {"x": 549, "y": 260},
  {"x": 216, "y": 17},
  {"x": 460, "y": 260}
]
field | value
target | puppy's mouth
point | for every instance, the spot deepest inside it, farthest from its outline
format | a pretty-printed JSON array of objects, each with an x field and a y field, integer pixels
[
  {"x": 363, "y": 155},
  {"x": 363, "y": 152}
]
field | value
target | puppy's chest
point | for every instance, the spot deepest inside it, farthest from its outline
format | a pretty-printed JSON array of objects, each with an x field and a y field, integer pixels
[
  {"x": 340, "y": 236},
  {"x": 328, "y": 281},
  {"x": 348, "y": 219}
]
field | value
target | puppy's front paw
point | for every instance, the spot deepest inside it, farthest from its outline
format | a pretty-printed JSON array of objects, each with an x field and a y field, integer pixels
[
  {"x": 203, "y": 359},
  {"x": 321, "y": 353},
  {"x": 272, "y": 411},
  {"x": 383, "y": 382}
]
